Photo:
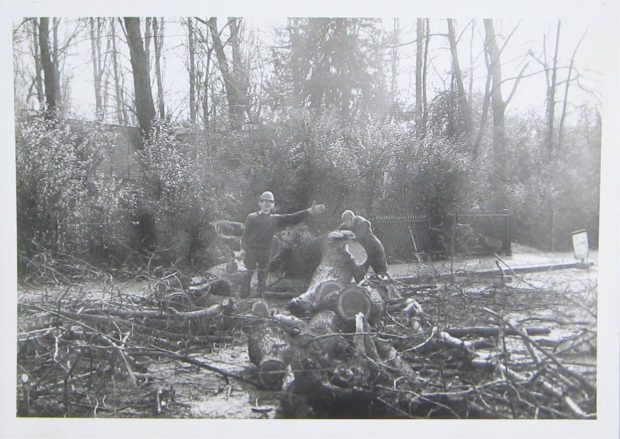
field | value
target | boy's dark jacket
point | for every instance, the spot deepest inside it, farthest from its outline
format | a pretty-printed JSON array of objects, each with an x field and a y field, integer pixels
[{"x": 260, "y": 228}]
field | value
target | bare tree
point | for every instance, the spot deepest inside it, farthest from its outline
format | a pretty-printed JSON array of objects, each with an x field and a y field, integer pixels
[
  {"x": 493, "y": 93},
  {"x": 50, "y": 70},
  {"x": 463, "y": 103},
  {"x": 121, "y": 111},
  {"x": 394, "y": 79},
  {"x": 145, "y": 109},
  {"x": 551, "y": 86},
  {"x": 191, "y": 41},
  {"x": 38, "y": 80},
  {"x": 158, "y": 41},
  {"x": 233, "y": 92},
  {"x": 425, "y": 74},
  {"x": 419, "y": 67},
  {"x": 497, "y": 102},
  {"x": 565, "y": 100},
  {"x": 96, "y": 28},
  {"x": 147, "y": 41}
]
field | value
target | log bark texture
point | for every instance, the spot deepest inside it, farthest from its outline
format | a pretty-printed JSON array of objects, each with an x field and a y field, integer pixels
[
  {"x": 270, "y": 350},
  {"x": 326, "y": 323},
  {"x": 337, "y": 265},
  {"x": 350, "y": 301},
  {"x": 298, "y": 252}
]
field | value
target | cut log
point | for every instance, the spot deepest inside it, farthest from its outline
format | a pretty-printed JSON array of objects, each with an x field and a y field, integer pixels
[
  {"x": 353, "y": 373},
  {"x": 231, "y": 228},
  {"x": 298, "y": 252},
  {"x": 290, "y": 322},
  {"x": 377, "y": 303},
  {"x": 294, "y": 286},
  {"x": 351, "y": 301},
  {"x": 337, "y": 265},
  {"x": 363, "y": 340},
  {"x": 217, "y": 287},
  {"x": 484, "y": 331},
  {"x": 270, "y": 350},
  {"x": 326, "y": 288},
  {"x": 326, "y": 323},
  {"x": 260, "y": 308},
  {"x": 390, "y": 355}
]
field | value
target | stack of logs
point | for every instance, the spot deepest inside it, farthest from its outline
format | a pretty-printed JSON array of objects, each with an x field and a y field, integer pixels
[{"x": 358, "y": 348}]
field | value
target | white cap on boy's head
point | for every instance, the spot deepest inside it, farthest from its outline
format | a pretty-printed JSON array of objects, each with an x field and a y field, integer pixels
[{"x": 267, "y": 196}]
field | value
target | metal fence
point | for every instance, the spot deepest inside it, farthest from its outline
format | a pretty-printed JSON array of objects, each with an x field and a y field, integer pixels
[{"x": 404, "y": 236}]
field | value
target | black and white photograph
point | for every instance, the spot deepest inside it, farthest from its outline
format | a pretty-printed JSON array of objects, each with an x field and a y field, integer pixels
[{"x": 270, "y": 215}]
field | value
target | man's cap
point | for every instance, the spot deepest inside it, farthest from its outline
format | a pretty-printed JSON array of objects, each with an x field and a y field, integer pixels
[{"x": 267, "y": 196}]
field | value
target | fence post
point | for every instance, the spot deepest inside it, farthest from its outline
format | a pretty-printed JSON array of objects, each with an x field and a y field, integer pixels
[
  {"x": 452, "y": 246},
  {"x": 508, "y": 236}
]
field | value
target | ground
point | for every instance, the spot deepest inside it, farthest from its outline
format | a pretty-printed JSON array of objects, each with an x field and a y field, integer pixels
[{"x": 198, "y": 393}]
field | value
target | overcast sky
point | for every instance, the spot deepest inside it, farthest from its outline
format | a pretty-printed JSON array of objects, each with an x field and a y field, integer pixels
[{"x": 529, "y": 35}]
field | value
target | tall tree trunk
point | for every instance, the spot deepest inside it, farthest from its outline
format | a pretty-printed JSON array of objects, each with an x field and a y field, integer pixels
[
  {"x": 55, "y": 56},
  {"x": 121, "y": 112},
  {"x": 565, "y": 100},
  {"x": 550, "y": 113},
  {"x": 233, "y": 25},
  {"x": 419, "y": 68},
  {"x": 485, "y": 109},
  {"x": 238, "y": 66},
  {"x": 192, "y": 70},
  {"x": 205, "y": 96},
  {"x": 95, "y": 48},
  {"x": 424, "y": 75},
  {"x": 497, "y": 104},
  {"x": 50, "y": 71},
  {"x": 394, "y": 82},
  {"x": 145, "y": 109},
  {"x": 463, "y": 104},
  {"x": 235, "y": 105},
  {"x": 63, "y": 92},
  {"x": 158, "y": 39},
  {"x": 147, "y": 41},
  {"x": 37, "y": 63}
]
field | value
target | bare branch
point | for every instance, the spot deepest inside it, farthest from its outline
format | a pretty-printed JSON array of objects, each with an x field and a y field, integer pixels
[{"x": 516, "y": 84}]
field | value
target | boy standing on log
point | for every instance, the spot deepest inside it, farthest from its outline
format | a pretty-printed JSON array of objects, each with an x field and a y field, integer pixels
[
  {"x": 375, "y": 253},
  {"x": 257, "y": 236}
]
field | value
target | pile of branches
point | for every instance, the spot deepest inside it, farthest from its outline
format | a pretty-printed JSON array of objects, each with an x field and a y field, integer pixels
[
  {"x": 86, "y": 353},
  {"x": 382, "y": 350}
]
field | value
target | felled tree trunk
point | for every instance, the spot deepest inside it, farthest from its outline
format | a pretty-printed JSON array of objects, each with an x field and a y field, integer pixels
[
  {"x": 297, "y": 254},
  {"x": 321, "y": 335},
  {"x": 337, "y": 266},
  {"x": 270, "y": 350},
  {"x": 350, "y": 301}
]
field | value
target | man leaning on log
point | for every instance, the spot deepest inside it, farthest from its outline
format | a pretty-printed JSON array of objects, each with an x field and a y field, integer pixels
[
  {"x": 375, "y": 253},
  {"x": 257, "y": 236}
]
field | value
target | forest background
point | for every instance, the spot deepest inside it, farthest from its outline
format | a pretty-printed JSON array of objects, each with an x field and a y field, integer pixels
[
  {"x": 604, "y": 18},
  {"x": 384, "y": 116}
]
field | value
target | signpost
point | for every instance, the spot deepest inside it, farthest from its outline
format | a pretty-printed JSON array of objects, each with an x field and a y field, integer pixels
[{"x": 580, "y": 244}]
